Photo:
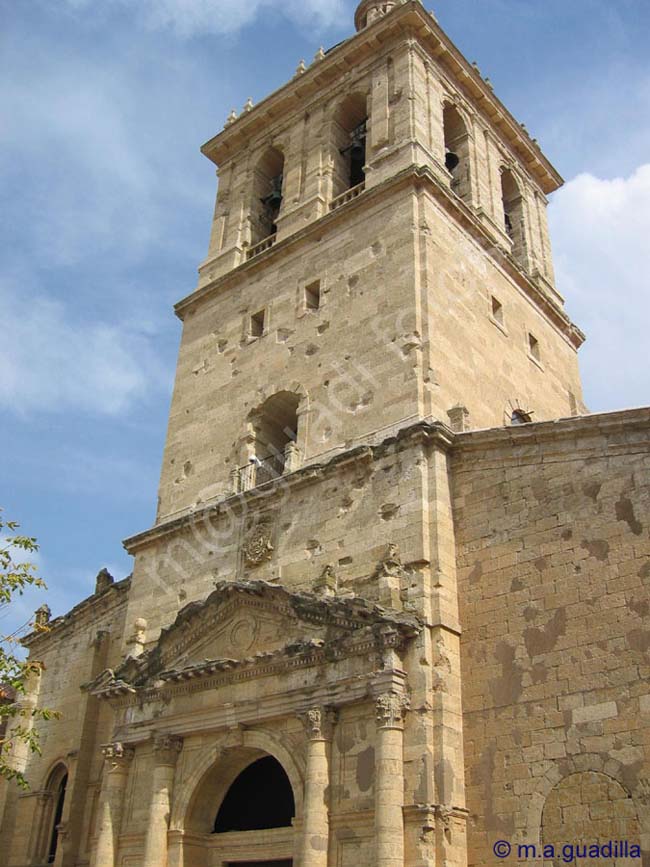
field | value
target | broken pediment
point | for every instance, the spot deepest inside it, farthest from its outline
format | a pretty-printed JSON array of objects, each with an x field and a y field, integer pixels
[{"x": 246, "y": 622}]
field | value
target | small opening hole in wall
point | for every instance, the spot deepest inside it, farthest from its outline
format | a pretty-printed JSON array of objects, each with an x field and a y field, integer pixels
[
  {"x": 312, "y": 296},
  {"x": 533, "y": 347},
  {"x": 256, "y": 328},
  {"x": 497, "y": 310}
]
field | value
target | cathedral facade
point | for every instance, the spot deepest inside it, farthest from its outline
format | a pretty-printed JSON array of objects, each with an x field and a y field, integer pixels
[{"x": 393, "y": 610}]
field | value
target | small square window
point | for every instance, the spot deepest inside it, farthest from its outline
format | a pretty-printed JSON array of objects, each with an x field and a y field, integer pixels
[
  {"x": 312, "y": 296},
  {"x": 497, "y": 310},
  {"x": 256, "y": 325},
  {"x": 533, "y": 347}
]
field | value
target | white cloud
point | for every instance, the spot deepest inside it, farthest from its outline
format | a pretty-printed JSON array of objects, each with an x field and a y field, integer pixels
[
  {"x": 189, "y": 18},
  {"x": 91, "y": 162},
  {"x": 51, "y": 361},
  {"x": 600, "y": 230}
]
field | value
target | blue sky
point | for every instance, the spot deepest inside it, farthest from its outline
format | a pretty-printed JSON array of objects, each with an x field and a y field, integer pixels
[{"x": 105, "y": 207}]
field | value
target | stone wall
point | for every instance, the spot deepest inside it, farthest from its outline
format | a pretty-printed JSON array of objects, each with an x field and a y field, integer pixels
[
  {"x": 78, "y": 647},
  {"x": 554, "y": 565}
]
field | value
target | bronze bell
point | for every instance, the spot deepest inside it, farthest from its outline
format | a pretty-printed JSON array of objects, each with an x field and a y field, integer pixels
[
  {"x": 274, "y": 200},
  {"x": 451, "y": 161}
]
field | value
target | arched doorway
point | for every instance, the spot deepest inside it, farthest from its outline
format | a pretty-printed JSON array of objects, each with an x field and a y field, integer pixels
[
  {"x": 242, "y": 813},
  {"x": 261, "y": 797}
]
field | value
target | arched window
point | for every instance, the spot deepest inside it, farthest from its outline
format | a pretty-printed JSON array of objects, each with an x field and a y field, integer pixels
[
  {"x": 56, "y": 786},
  {"x": 456, "y": 150},
  {"x": 350, "y": 130},
  {"x": 513, "y": 214},
  {"x": 260, "y": 798},
  {"x": 268, "y": 184},
  {"x": 272, "y": 441},
  {"x": 518, "y": 416}
]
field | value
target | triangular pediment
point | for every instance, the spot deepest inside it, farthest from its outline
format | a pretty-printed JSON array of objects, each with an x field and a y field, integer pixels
[{"x": 243, "y": 622}]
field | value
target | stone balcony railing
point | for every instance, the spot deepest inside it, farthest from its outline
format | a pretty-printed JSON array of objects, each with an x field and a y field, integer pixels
[
  {"x": 347, "y": 196},
  {"x": 264, "y": 244}
]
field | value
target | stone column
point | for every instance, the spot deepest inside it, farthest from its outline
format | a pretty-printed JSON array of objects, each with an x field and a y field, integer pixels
[
  {"x": 165, "y": 752},
  {"x": 315, "y": 828},
  {"x": 389, "y": 780},
  {"x": 117, "y": 759}
]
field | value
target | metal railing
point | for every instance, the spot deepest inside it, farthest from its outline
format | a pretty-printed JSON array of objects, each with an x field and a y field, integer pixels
[
  {"x": 259, "y": 471},
  {"x": 263, "y": 245},
  {"x": 347, "y": 196}
]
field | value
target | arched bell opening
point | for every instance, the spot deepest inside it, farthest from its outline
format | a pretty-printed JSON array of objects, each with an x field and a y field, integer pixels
[
  {"x": 513, "y": 214},
  {"x": 350, "y": 128},
  {"x": 268, "y": 186},
  {"x": 457, "y": 160}
]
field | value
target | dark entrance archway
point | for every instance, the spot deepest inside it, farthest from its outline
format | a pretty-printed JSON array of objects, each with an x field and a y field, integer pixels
[
  {"x": 260, "y": 798},
  {"x": 239, "y": 810}
]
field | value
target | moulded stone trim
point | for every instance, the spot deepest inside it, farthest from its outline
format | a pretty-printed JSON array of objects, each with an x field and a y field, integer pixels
[
  {"x": 253, "y": 738},
  {"x": 583, "y": 763}
]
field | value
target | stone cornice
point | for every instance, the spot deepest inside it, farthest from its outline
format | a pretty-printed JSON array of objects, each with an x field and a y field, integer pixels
[
  {"x": 186, "y": 720},
  {"x": 433, "y": 433},
  {"x": 88, "y": 610},
  {"x": 410, "y": 19},
  {"x": 364, "y": 627},
  {"x": 621, "y": 429},
  {"x": 420, "y": 177}
]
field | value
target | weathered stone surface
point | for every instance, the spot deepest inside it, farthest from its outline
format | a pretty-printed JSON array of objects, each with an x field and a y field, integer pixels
[{"x": 379, "y": 558}]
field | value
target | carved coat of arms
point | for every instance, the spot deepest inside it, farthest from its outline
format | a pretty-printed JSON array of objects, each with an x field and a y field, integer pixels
[{"x": 257, "y": 547}]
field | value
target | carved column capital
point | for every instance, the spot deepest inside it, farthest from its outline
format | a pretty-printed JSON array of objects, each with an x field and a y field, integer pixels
[
  {"x": 319, "y": 723},
  {"x": 117, "y": 756},
  {"x": 391, "y": 708},
  {"x": 166, "y": 749}
]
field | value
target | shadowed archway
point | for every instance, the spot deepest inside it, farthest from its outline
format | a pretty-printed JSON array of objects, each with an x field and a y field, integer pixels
[{"x": 261, "y": 797}]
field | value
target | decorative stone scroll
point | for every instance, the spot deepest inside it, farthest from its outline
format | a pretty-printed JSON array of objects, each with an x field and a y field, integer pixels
[
  {"x": 166, "y": 748},
  {"x": 42, "y": 617},
  {"x": 391, "y": 566},
  {"x": 319, "y": 723},
  {"x": 391, "y": 709},
  {"x": 328, "y": 582},
  {"x": 116, "y": 755}
]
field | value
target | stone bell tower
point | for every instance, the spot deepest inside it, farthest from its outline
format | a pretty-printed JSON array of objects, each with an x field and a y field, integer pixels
[
  {"x": 379, "y": 275},
  {"x": 379, "y": 254},
  {"x": 376, "y": 314}
]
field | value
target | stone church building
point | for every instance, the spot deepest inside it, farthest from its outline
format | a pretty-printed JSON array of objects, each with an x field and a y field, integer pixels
[{"x": 394, "y": 607}]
